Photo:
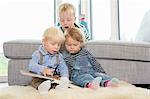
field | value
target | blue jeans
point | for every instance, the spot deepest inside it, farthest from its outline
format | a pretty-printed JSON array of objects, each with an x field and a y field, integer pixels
[
  {"x": 105, "y": 78},
  {"x": 84, "y": 79}
]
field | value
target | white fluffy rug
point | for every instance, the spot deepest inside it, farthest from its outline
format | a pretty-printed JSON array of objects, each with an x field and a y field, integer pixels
[{"x": 121, "y": 92}]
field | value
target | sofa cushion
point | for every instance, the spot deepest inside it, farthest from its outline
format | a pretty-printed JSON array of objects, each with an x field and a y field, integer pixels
[
  {"x": 120, "y": 50},
  {"x": 134, "y": 72},
  {"x": 21, "y": 49}
]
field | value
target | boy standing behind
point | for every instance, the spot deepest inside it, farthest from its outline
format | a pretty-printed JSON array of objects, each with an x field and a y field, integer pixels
[{"x": 67, "y": 19}]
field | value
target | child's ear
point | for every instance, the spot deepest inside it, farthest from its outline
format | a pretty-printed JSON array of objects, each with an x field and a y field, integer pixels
[
  {"x": 43, "y": 42},
  {"x": 82, "y": 45}
]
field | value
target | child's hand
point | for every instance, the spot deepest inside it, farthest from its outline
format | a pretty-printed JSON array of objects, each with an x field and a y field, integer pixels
[{"x": 48, "y": 72}]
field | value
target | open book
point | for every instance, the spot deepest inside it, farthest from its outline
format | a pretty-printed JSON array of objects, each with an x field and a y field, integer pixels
[
  {"x": 28, "y": 73},
  {"x": 54, "y": 80}
]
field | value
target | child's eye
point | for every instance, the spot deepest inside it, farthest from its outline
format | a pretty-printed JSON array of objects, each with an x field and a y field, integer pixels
[
  {"x": 72, "y": 44},
  {"x": 52, "y": 44},
  {"x": 59, "y": 44},
  {"x": 68, "y": 44},
  {"x": 75, "y": 44},
  {"x": 69, "y": 20},
  {"x": 62, "y": 20},
  {"x": 56, "y": 44}
]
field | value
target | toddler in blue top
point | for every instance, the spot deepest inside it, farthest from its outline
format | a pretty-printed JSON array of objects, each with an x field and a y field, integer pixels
[
  {"x": 48, "y": 61},
  {"x": 85, "y": 71}
]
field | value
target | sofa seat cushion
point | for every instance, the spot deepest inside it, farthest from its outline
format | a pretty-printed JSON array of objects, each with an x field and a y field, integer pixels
[{"x": 131, "y": 71}]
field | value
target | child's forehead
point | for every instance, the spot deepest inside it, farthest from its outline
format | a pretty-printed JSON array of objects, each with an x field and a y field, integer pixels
[
  {"x": 66, "y": 16},
  {"x": 55, "y": 40},
  {"x": 67, "y": 13},
  {"x": 72, "y": 41},
  {"x": 69, "y": 38}
]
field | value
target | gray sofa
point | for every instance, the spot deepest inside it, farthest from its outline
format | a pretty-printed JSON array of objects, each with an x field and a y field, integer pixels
[{"x": 127, "y": 61}]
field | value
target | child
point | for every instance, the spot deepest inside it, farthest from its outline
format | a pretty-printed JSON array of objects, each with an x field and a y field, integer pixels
[
  {"x": 85, "y": 71},
  {"x": 67, "y": 18},
  {"x": 48, "y": 61}
]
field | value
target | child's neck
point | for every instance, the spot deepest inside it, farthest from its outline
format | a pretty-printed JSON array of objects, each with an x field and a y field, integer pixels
[{"x": 76, "y": 52}]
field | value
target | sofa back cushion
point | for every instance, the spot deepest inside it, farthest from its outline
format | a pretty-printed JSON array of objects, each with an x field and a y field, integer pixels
[
  {"x": 118, "y": 50},
  {"x": 20, "y": 49}
]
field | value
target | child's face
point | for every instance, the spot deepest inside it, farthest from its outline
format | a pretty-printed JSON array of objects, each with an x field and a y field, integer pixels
[
  {"x": 67, "y": 19},
  {"x": 51, "y": 46},
  {"x": 72, "y": 46}
]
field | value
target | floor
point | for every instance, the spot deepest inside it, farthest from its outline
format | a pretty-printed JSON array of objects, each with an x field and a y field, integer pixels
[{"x": 2, "y": 85}]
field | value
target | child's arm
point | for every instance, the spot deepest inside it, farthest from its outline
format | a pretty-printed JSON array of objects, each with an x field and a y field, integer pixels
[
  {"x": 97, "y": 66},
  {"x": 63, "y": 67},
  {"x": 34, "y": 65}
]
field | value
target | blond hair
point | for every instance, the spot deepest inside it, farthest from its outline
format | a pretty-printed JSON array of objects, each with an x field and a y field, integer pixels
[
  {"x": 66, "y": 7},
  {"x": 76, "y": 34},
  {"x": 54, "y": 34}
]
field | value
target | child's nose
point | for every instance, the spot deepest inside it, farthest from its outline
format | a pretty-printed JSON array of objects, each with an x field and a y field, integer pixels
[
  {"x": 57, "y": 46},
  {"x": 71, "y": 47},
  {"x": 65, "y": 22}
]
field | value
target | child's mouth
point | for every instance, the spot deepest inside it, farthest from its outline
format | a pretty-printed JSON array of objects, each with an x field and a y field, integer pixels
[{"x": 66, "y": 27}]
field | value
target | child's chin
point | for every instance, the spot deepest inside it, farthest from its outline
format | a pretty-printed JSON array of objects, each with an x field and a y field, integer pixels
[
  {"x": 72, "y": 52},
  {"x": 53, "y": 53}
]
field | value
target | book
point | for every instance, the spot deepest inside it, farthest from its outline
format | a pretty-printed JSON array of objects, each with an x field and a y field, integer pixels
[
  {"x": 28, "y": 73},
  {"x": 54, "y": 80}
]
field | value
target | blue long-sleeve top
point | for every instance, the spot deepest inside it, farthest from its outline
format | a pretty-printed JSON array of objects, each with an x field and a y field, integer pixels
[{"x": 48, "y": 61}]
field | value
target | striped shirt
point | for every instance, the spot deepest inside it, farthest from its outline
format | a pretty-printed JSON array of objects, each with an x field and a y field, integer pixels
[
  {"x": 82, "y": 27},
  {"x": 82, "y": 62}
]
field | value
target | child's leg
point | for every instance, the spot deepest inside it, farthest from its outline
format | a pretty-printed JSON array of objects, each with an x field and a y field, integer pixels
[
  {"x": 112, "y": 83},
  {"x": 94, "y": 84},
  {"x": 105, "y": 78},
  {"x": 108, "y": 81},
  {"x": 88, "y": 81},
  {"x": 44, "y": 86},
  {"x": 36, "y": 82},
  {"x": 82, "y": 80}
]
